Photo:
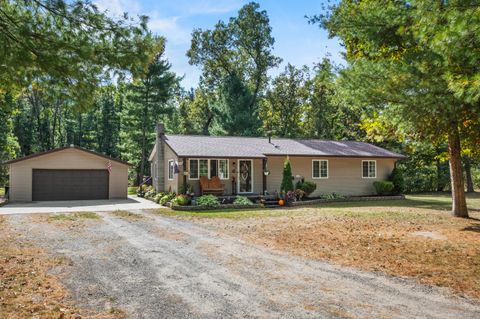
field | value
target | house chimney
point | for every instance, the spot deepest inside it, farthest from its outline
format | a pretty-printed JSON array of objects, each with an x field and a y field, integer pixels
[{"x": 160, "y": 169}]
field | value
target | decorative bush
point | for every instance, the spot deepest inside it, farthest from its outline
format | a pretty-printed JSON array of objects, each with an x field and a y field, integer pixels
[
  {"x": 185, "y": 189},
  {"x": 299, "y": 193},
  {"x": 164, "y": 198},
  {"x": 307, "y": 187},
  {"x": 208, "y": 200},
  {"x": 398, "y": 182},
  {"x": 242, "y": 200},
  {"x": 287, "y": 181},
  {"x": 150, "y": 194},
  {"x": 290, "y": 196},
  {"x": 383, "y": 187},
  {"x": 332, "y": 196},
  {"x": 182, "y": 200}
]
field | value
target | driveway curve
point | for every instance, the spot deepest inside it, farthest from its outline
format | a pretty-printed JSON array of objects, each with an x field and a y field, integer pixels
[{"x": 158, "y": 267}]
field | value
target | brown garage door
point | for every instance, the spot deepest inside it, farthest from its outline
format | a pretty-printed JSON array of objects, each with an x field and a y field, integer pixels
[{"x": 56, "y": 184}]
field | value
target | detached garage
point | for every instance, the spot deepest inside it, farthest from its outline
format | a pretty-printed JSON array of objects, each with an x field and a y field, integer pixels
[{"x": 69, "y": 173}]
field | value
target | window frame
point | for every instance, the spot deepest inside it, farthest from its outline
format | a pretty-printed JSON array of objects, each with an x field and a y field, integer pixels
[
  {"x": 208, "y": 167},
  {"x": 172, "y": 169},
  {"x": 320, "y": 169},
  {"x": 368, "y": 169},
  {"x": 218, "y": 168}
]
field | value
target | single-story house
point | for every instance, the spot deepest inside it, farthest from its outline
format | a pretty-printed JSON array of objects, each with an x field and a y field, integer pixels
[
  {"x": 254, "y": 165},
  {"x": 67, "y": 173}
]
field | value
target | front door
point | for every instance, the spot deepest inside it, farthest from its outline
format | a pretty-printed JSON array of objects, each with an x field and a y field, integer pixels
[{"x": 245, "y": 176}]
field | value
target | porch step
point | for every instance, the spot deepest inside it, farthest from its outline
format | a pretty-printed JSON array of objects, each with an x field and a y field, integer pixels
[{"x": 271, "y": 204}]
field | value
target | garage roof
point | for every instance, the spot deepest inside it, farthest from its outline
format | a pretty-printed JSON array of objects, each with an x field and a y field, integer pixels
[{"x": 65, "y": 148}]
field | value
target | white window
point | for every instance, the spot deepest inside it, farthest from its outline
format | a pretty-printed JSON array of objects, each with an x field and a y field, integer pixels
[
  {"x": 319, "y": 169},
  {"x": 171, "y": 169},
  {"x": 197, "y": 168},
  {"x": 193, "y": 168},
  {"x": 203, "y": 167},
  {"x": 208, "y": 167},
  {"x": 369, "y": 169},
  {"x": 219, "y": 168}
]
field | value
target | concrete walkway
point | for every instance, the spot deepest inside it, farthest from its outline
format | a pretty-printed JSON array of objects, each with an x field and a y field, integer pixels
[{"x": 132, "y": 203}]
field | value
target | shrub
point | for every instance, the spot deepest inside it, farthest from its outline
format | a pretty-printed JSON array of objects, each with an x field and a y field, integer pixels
[
  {"x": 242, "y": 200},
  {"x": 157, "y": 197},
  {"x": 290, "y": 196},
  {"x": 307, "y": 187},
  {"x": 163, "y": 198},
  {"x": 299, "y": 194},
  {"x": 287, "y": 180},
  {"x": 383, "y": 187},
  {"x": 185, "y": 189},
  {"x": 398, "y": 182},
  {"x": 332, "y": 196},
  {"x": 150, "y": 194},
  {"x": 208, "y": 200},
  {"x": 181, "y": 200}
]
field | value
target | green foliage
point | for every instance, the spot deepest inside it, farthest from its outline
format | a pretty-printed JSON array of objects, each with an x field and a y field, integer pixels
[
  {"x": 284, "y": 105},
  {"x": 235, "y": 57},
  {"x": 70, "y": 42},
  {"x": 383, "y": 187},
  {"x": 150, "y": 193},
  {"x": 8, "y": 143},
  {"x": 332, "y": 196},
  {"x": 185, "y": 189},
  {"x": 396, "y": 177},
  {"x": 208, "y": 200},
  {"x": 242, "y": 200},
  {"x": 307, "y": 187},
  {"x": 163, "y": 198},
  {"x": 421, "y": 72},
  {"x": 147, "y": 99},
  {"x": 181, "y": 200},
  {"x": 287, "y": 180},
  {"x": 476, "y": 178}
]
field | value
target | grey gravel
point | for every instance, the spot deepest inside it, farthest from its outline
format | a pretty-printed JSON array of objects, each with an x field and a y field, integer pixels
[{"x": 159, "y": 267}]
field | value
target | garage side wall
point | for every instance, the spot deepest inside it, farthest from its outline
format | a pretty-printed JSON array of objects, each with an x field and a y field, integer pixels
[{"x": 21, "y": 172}]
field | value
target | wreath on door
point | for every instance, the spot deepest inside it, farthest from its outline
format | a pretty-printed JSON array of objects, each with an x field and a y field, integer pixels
[{"x": 244, "y": 171}]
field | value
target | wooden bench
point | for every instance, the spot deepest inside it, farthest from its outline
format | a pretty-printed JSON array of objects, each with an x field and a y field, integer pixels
[{"x": 211, "y": 186}]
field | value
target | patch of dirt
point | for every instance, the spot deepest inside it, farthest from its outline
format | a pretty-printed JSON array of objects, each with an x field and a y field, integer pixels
[
  {"x": 445, "y": 252},
  {"x": 430, "y": 234},
  {"x": 28, "y": 290}
]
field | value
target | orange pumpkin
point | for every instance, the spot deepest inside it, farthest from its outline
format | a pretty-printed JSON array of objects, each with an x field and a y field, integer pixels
[{"x": 281, "y": 202}]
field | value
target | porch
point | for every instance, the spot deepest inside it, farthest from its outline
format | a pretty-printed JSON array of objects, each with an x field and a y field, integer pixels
[{"x": 238, "y": 176}]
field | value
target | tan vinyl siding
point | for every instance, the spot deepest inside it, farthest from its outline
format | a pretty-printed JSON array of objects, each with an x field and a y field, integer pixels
[
  {"x": 344, "y": 174},
  {"x": 171, "y": 185},
  {"x": 21, "y": 172}
]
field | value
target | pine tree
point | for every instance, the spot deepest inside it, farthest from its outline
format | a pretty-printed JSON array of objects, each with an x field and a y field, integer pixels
[{"x": 287, "y": 180}]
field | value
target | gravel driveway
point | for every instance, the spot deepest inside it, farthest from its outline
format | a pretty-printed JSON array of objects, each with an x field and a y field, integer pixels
[{"x": 157, "y": 267}]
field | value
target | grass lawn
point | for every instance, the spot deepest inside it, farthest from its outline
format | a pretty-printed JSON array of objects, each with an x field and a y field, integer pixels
[{"x": 416, "y": 237}]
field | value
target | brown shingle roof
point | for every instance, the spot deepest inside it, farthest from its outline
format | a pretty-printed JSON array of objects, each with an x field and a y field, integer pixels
[
  {"x": 65, "y": 148},
  {"x": 259, "y": 147}
]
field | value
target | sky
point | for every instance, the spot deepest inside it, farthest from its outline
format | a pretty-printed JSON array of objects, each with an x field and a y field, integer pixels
[{"x": 296, "y": 41}]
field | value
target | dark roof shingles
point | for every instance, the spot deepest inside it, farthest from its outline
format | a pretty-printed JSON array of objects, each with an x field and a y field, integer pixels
[{"x": 259, "y": 147}]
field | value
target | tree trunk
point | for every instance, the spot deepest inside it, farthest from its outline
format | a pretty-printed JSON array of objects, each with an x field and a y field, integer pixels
[
  {"x": 459, "y": 204},
  {"x": 468, "y": 174},
  {"x": 439, "y": 175}
]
